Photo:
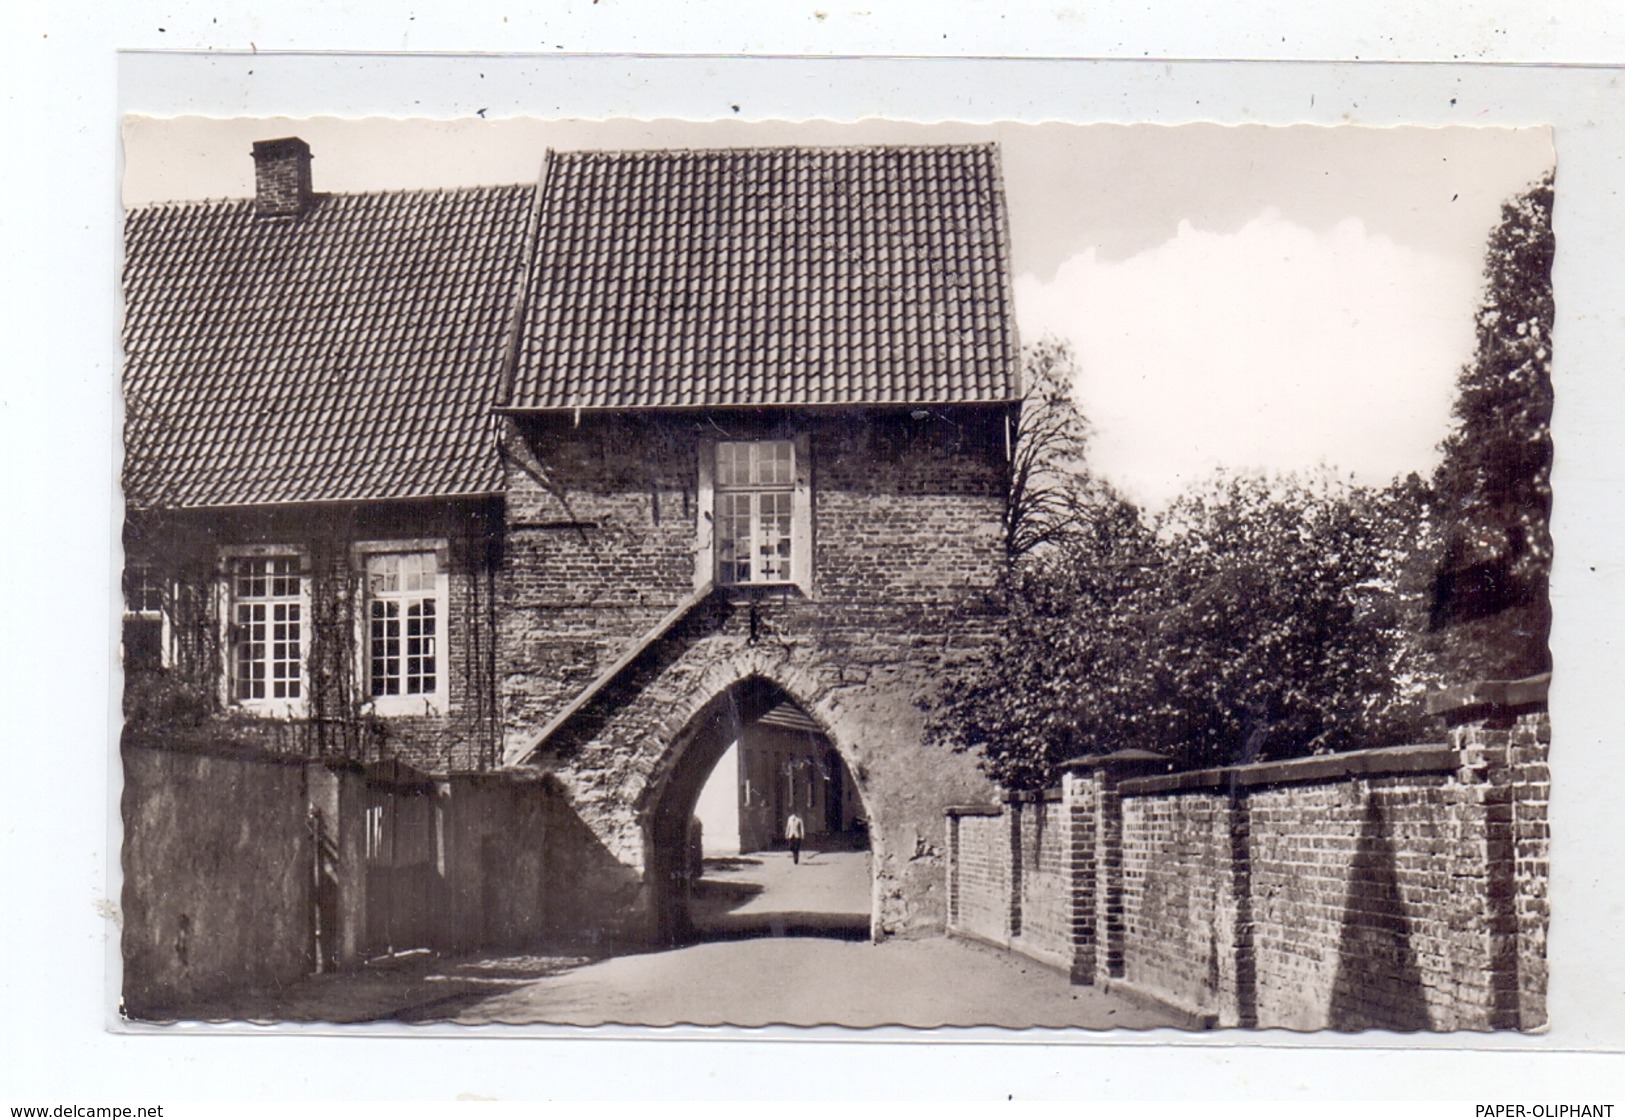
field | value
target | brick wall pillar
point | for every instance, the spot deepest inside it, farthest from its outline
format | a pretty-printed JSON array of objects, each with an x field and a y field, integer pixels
[
  {"x": 1080, "y": 801},
  {"x": 1238, "y": 994},
  {"x": 1092, "y": 809},
  {"x": 1109, "y": 869},
  {"x": 1502, "y": 731},
  {"x": 1013, "y": 822}
]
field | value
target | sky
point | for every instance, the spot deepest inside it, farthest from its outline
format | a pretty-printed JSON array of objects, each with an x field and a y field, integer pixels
[{"x": 1238, "y": 297}]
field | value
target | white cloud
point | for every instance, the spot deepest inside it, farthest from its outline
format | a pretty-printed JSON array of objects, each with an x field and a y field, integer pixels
[{"x": 1274, "y": 347}]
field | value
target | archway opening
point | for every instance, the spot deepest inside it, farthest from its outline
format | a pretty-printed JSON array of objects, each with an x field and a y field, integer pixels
[{"x": 753, "y": 770}]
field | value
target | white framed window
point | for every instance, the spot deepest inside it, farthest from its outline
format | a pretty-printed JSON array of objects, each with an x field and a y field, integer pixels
[
  {"x": 404, "y": 588},
  {"x": 145, "y": 632},
  {"x": 755, "y": 490},
  {"x": 755, "y": 503},
  {"x": 267, "y": 619}
]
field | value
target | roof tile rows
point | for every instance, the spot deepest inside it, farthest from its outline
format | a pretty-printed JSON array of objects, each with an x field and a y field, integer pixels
[
  {"x": 355, "y": 351},
  {"x": 791, "y": 276},
  {"x": 349, "y": 353}
]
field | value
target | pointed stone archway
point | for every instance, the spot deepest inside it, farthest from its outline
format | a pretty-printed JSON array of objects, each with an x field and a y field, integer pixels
[{"x": 669, "y": 802}]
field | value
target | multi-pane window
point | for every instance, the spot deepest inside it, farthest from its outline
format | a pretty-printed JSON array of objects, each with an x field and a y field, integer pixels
[
  {"x": 267, "y": 615},
  {"x": 403, "y": 618},
  {"x": 755, "y": 500},
  {"x": 143, "y": 618}
]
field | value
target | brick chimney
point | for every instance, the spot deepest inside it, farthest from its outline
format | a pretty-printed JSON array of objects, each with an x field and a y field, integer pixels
[{"x": 281, "y": 177}]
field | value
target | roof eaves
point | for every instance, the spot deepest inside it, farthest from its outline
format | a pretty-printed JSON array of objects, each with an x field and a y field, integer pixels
[
  {"x": 207, "y": 507},
  {"x": 800, "y": 406}
]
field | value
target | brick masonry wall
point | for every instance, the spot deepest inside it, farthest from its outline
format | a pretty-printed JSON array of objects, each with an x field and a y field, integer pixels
[
  {"x": 1010, "y": 876},
  {"x": 601, "y": 544},
  {"x": 1331, "y": 904},
  {"x": 981, "y": 876},
  {"x": 1402, "y": 889},
  {"x": 1509, "y": 757},
  {"x": 1530, "y": 744},
  {"x": 1342, "y": 901},
  {"x": 1046, "y": 910},
  {"x": 1175, "y": 907}
]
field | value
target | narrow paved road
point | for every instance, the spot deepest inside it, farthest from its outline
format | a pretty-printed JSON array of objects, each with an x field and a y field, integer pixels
[
  {"x": 767, "y": 893},
  {"x": 759, "y": 969},
  {"x": 805, "y": 981}
]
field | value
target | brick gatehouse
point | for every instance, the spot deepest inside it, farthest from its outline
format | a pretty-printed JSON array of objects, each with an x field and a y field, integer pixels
[{"x": 561, "y": 486}]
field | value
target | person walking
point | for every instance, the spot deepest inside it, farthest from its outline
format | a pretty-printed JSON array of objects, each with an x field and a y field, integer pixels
[{"x": 795, "y": 832}]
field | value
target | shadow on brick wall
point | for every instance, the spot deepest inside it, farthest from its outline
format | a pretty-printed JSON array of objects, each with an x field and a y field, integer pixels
[{"x": 1378, "y": 984}]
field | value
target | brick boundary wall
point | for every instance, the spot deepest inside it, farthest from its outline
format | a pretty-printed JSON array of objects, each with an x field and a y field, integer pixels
[{"x": 1401, "y": 888}]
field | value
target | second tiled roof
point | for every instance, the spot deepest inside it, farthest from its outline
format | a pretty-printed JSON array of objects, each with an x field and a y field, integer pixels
[{"x": 353, "y": 352}]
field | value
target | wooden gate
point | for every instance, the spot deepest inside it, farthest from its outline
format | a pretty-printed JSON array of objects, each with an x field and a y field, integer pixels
[{"x": 404, "y": 858}]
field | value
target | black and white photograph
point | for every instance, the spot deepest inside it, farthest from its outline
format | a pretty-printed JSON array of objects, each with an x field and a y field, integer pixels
[{"x": 660, "y": 572}]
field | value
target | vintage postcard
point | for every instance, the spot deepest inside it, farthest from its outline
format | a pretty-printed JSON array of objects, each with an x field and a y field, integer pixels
[{"x": 739, "y": 573}]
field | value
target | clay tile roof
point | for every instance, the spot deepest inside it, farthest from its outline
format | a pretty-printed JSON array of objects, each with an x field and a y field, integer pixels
[
  {"x": 768, "y": 276},
  {"x": 351, "y": 352}
]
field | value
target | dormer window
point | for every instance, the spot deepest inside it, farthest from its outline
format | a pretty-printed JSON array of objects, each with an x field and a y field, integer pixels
[{"x": 756, "y": 497}]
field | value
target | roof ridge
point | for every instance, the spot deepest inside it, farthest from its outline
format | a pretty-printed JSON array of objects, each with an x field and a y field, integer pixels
[
  {"x": 390, "y": 192},
  {"x": 729, "y": 150},
  {"x": 767, "y": 149}
]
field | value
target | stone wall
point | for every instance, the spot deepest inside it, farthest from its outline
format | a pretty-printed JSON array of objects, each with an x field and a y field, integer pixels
[
  {"x": 246, "y": 871},
  {"x": 218, "y": 867},
  {"x": 1402, "y": 889},
  {"x": 603, "y": 535}
]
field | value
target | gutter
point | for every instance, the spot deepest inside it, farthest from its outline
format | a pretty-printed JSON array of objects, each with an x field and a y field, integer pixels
[
  {"x": 754, "y": 406},
  {"x": 281, "y": 503},
  {"x": 520, "y": 755}
]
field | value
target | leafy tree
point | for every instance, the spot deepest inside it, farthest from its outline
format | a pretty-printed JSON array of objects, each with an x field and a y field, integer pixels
[
  {"x": 1060, "y": 680},
  {"x": 1255, "y": 618},
  {"x": 1494, "y": 484},
  {"x": 1280, "y": 622}
]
